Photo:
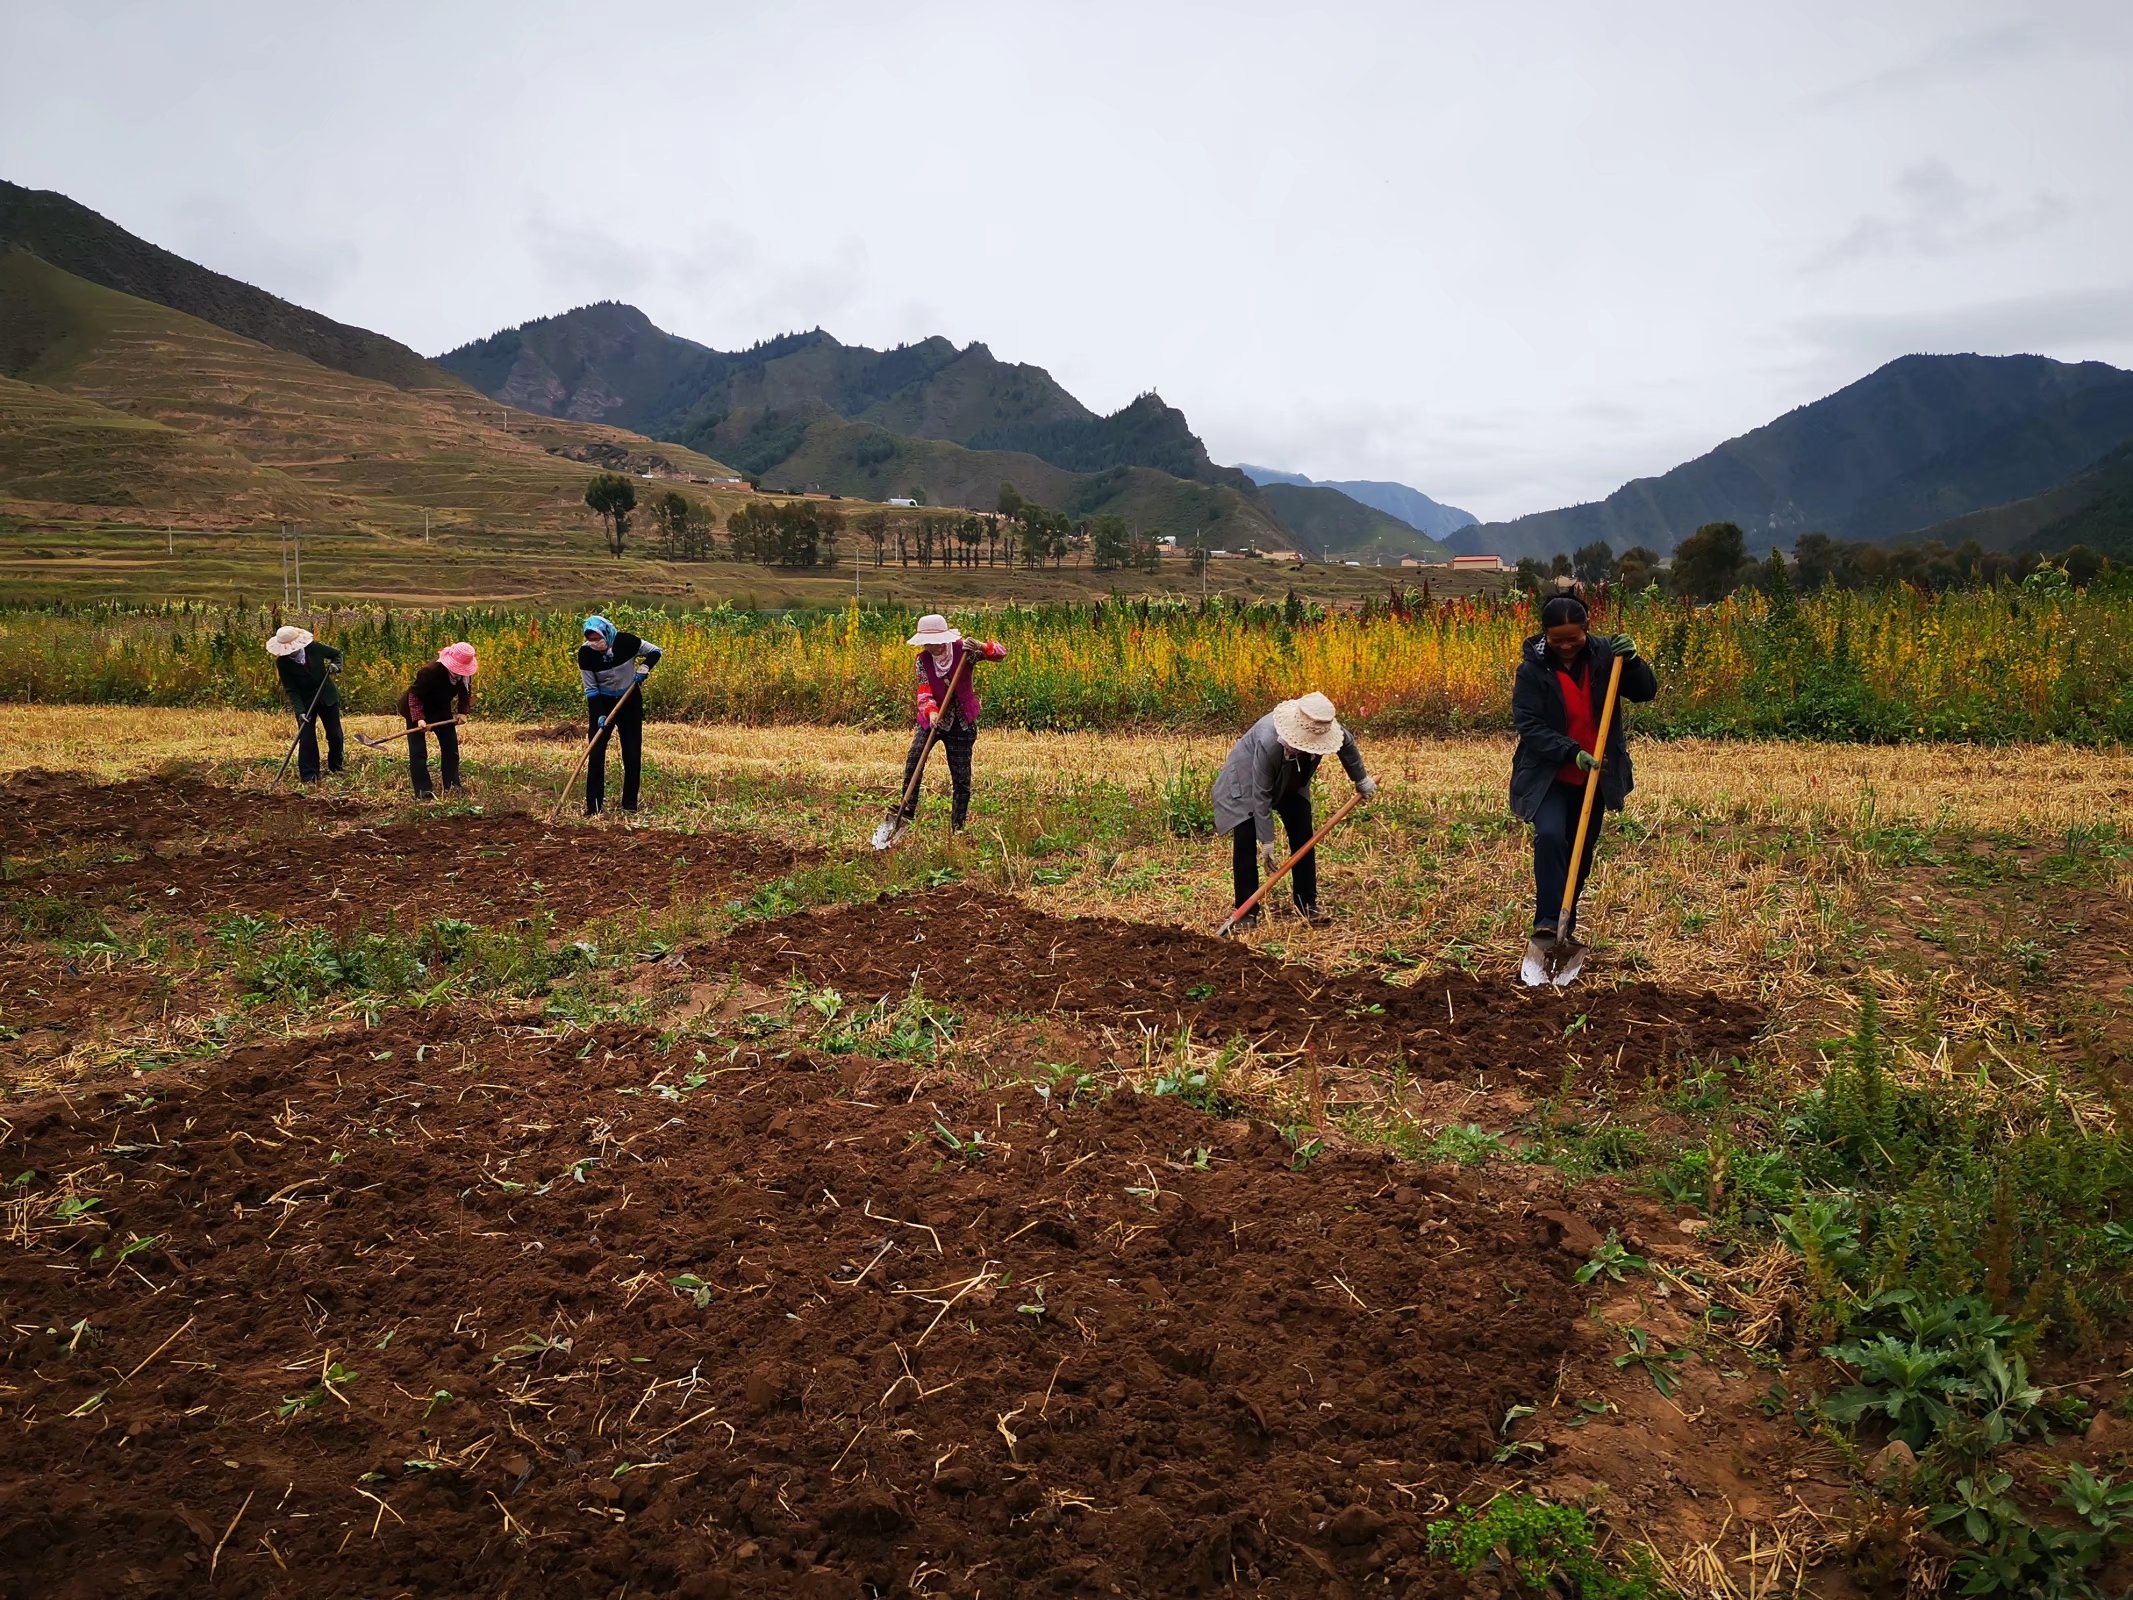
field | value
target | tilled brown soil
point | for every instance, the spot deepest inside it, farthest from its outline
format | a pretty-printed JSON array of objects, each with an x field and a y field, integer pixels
[
  {"x": 459, "y": 1307},
  {"x": 973, "y": 947},
  {"x": 480, "y": 868},
  {"x": 45, "y": 811}
]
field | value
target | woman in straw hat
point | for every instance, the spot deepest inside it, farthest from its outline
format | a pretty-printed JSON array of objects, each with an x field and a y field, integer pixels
[
  {"x": 942, "y": 650},
  {"x": 443, "y": 689},
  {"x": 307, "y": 670},
  {"x": 1269, "y": 770}
]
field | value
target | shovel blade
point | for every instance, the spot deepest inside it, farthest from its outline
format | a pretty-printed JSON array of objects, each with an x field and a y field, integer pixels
[
  {"x": 890, "y": 830},
  {"x": 1554, "y": 962}
]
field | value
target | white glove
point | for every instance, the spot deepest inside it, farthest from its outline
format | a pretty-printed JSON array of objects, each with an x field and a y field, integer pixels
[
  {"x": 1269, "y": 855},
  {"x": 1368, "y": 788}
]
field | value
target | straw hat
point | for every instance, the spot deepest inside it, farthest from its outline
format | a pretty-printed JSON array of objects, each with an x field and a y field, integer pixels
[
  {"x": 458, "y": 659},
  {"x": 287, "y": 640},
  {"x": 933, "y": 629},
  {"x": 1308, "y": 724}
]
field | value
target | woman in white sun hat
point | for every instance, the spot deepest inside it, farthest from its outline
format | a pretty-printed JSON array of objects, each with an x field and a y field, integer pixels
[
  {"x": 942, "y": 651},
  {"x": 307, "y": 670},
  {"x": 1269, "y": 770}
]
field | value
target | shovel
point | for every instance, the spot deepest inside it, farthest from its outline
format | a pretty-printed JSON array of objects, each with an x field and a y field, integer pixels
[
  {"x": 1227, "y": 923},
  {"x": 1561, "y": 959},
  {"x": 386, "y": 743},
  {"x": 891, "y": 828},
  {"x": 302, "y": 723},
  {"x": 599, "y": 734}
]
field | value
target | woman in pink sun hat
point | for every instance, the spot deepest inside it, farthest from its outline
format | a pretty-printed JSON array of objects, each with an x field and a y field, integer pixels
[
  {"x": 948, "y": 700},
  {"x": 442, "y": 690}
]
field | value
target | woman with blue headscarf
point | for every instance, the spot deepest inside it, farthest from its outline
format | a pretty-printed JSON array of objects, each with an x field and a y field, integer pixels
[{"x": 607, "y": 662}]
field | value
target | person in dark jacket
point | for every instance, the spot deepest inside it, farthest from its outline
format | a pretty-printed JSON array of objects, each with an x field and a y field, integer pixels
[
  {"x": 307, "y": 670},
  {"x": 941, "y": 653},
  {"x": 442, "y": 690},
  {"x": 607, "y": 662},
  {"x": 1269, "y": 772},
  {"x": 1556, "y": 701}
]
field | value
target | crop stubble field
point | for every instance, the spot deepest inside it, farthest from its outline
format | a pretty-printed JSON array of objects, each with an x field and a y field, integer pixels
[{"x": 444, "y": 1202}]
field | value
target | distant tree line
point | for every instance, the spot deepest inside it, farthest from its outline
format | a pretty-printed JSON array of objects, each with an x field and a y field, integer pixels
[
  {"x": 1713, "y": 562},
  {"x": 791, "y": 533}
]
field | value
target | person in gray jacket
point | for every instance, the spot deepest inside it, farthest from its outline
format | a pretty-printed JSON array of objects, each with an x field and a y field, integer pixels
[{"x": 1269, "y": 771}]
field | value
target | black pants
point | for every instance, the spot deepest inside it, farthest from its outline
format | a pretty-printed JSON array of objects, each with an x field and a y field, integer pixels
[
  {"x": 328, "y": 717},
  {"x": 1295, "y": 813},
  {"x": 1555, "y": 829},
  {"x": 628, "y": 727},
  {"x": 958, "y": 743},
  {"x": 418, "y": 760}
]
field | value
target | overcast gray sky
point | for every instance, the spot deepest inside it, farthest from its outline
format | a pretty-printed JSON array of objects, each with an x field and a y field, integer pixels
[{"x": 1511, "y": 254}]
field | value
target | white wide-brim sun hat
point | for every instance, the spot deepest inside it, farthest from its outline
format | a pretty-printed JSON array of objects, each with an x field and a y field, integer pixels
[
  {"x": 287, "y": 640},
  {"x": 933, "y": 629},
  {"x": 1309, "y": 723}
]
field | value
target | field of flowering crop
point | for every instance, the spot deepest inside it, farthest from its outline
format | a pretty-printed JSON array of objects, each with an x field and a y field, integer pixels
[{"x": 2028, "y": 662}]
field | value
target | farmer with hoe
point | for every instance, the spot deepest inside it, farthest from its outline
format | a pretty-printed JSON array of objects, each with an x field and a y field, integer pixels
[
  {"x": 947, "y": 708},
  {"x": 614, "y": 704},
  {"x": 1269, "y": 771},
  {"x": 1558, "y": 701},
  {"x": 307, "y": 670},
  {"x": 443, "y": 691}
]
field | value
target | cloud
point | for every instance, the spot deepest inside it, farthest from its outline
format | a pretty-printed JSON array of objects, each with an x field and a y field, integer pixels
[
  {"x": 1938, "y": 213},
  {"x": 713, "y": 281},
  {"x": 1945, "y": 61},
  {"x": 2084, "y": 322}
]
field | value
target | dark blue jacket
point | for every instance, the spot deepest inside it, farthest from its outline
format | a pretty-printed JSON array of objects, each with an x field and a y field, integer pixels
[{"x": 1543, "y": 722}]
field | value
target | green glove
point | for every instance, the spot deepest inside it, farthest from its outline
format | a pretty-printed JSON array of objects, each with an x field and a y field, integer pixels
[
  {"x": 1588, "y": 762},
  {"x": 1625, "y": 647}
]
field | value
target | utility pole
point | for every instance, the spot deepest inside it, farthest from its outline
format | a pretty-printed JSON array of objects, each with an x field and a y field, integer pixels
[
  {"x": 299, "y": 548},
  {"x": 425, "y": 524},
  {"x": 285, "y": 566}
]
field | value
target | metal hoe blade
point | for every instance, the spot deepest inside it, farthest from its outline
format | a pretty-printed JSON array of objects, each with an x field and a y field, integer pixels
[
  {"x": 890, "y": 830},
  {"x": 1552, "y": 961}
]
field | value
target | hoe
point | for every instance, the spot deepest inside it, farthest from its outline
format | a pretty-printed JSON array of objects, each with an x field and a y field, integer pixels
[
  {"x": 600, "y": 733},
  {"x": 1561, "y": 959},
  {"x": 420, "y": 727},
  {"x": 302, "y": 723},
  {"x": 892, "y": 826},
  {"x": 1229, "y": 922}
]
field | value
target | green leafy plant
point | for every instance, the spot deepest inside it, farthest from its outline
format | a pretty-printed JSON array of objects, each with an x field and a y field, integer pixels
[
  {"x": 1657, "y": 1362},
  {"x": 1611, "y": 1259},
  {"x": 1544, "y": 1545}
]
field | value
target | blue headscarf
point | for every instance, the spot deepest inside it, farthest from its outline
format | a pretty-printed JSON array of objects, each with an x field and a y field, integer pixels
[{"x": 600, "y": 625}]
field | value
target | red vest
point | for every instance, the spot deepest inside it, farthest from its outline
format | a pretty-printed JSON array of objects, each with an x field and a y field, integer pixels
[{"x": 1584, "y": 722}]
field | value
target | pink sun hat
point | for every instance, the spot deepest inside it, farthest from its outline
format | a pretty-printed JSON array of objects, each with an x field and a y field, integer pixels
[{"x": 458, "y": 659}]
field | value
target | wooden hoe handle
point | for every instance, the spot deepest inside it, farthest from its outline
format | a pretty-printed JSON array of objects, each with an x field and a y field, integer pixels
[
  {"x": 1592, "y": 789},
  {"x": 583, "y": 755},
  {"x": 1295, "y": 856}
]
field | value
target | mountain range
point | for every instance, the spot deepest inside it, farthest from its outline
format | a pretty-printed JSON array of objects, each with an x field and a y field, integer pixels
[
  {"x": 933, "y": 421},
  {"x": 1906, "y": 449},
  {"x": 1411, "y": 506},
  {"x": 135, "y": 382}
]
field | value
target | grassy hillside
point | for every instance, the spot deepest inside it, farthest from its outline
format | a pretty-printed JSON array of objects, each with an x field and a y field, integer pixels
[
  {"x": 267, "y": 435},
  {"x": 856, "y": 459},
  {"x": 1330, "y": 523},
  {"x": 77, "y": 240},
  {"x": 1920, "y": 439},
  {"x": 2094, "y": 508}
]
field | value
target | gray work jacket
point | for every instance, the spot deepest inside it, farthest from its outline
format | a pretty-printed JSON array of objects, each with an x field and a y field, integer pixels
[{"x": 1261, "y": 769}]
